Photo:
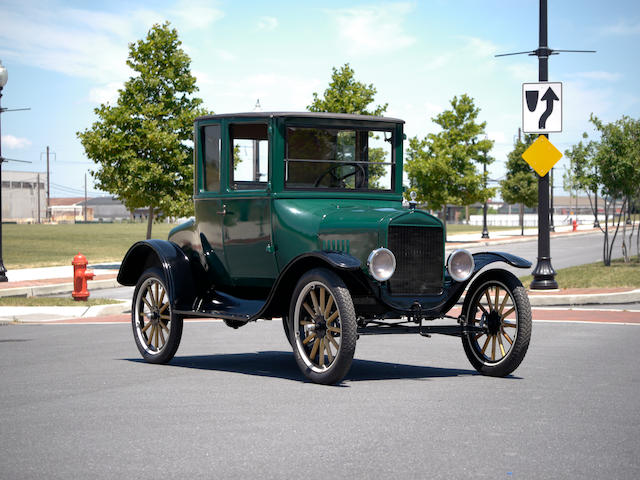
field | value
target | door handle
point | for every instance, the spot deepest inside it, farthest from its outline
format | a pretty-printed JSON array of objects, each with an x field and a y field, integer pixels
[{"x": 224, "y": 210}]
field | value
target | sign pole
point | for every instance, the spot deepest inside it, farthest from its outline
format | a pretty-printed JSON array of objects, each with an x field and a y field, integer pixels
[{"x": 543, "y": 274}]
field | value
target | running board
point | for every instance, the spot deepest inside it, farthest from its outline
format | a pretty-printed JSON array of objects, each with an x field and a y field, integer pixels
[{"x": 226, "y": 307}]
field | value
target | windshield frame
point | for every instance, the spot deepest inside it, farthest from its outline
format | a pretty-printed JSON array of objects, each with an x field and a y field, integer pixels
[{"x": 381, "y": 129}]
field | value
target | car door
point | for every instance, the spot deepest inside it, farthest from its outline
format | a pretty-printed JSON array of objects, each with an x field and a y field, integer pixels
[{"x": 246, "y": 206}]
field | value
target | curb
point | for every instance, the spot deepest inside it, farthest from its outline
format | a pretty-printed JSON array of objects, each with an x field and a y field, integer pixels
[
  {"x": 52, "y": 289},
  {"x": 49, "y": 314},
  {"x": 632, "y": 296}
]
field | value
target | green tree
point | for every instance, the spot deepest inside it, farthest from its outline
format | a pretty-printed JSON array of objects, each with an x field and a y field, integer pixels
[
  {"x": 609, "y": 166},
  {"x": 442, "y": 167},
  {"x": 521, "y": 184},
  {"x": 346, "y": 95},
  {"x": 140, "y": 144}
]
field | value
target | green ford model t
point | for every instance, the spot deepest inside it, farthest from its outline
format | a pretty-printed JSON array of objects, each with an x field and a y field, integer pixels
[{"x": 299, "y": 216}]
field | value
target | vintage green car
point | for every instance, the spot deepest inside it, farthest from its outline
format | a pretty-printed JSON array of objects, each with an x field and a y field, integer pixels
[{"x": 299, "y": 216}]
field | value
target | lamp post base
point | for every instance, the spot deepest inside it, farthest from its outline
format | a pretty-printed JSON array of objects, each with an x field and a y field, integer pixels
[
  {"x": 544, "y": 275},
  {"x": 485, "y": 234},
  {"x": 3, "y": 272}
]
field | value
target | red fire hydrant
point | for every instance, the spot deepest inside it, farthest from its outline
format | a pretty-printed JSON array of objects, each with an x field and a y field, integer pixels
[
  {"x": 80, "y": 277},
  {"x": 575, "y": 225}
]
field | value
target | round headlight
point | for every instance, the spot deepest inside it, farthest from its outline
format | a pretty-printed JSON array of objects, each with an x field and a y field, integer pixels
[
  {"x": 460, "y": 265},
  {"x": 382, "y": 264}
]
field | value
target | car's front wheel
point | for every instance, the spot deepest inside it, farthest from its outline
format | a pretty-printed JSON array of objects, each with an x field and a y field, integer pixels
[
  {"x": 156, "y": 329},
  {"x": 498, "y": 303},
  {"x": 323, "y": 326}
]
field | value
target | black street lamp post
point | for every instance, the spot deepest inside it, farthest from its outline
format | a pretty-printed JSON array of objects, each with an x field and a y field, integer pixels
[
  {"x": 485, "y": 232},
  {"x": 544, "y": 274}
]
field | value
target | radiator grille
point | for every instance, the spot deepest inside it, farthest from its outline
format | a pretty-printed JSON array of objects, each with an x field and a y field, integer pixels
[{"x": 419, "y": 260}]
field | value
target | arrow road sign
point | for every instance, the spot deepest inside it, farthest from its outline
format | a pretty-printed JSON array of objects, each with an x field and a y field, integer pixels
[{"x": 542, "y": 107}]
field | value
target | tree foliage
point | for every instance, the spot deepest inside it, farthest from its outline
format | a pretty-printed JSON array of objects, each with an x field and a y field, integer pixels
[
  {"x": 521, "y": 183},
  {"x": 346, "y": 95},
  {"x": 442, "y": 167},
  {"x": 140, "y": 144},
  {"x": 609, "y": 167}
]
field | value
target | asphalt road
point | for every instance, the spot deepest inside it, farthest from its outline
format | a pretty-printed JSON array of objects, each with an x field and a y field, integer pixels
[
  {"x": 77, "y": 402},
  {"x": 566, "y": 251}
]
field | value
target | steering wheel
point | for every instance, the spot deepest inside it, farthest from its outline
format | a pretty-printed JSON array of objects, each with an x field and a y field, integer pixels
[{"x": 358, "y": 171}]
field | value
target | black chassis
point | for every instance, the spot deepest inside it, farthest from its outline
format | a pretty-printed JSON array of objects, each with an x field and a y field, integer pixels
[{"x": 192, "y": 292}]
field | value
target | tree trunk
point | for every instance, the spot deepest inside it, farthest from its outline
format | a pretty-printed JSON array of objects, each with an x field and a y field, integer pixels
[
  {"x": 522, "y": 219},
  {"x": 625, "y": 250},
  {"x": 149, "y": 223}
]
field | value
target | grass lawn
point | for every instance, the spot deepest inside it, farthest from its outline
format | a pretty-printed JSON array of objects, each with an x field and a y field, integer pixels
[
  {"x": 596, "y": 275},
  {"x": 25, "y": 246},
  {"x": 52, "y": 302}
]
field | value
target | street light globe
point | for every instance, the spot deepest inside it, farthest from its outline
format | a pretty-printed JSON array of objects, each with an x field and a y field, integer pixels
[{"x": 4, "y": 76}]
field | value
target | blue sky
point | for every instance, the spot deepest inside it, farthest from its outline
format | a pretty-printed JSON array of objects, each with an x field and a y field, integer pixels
[{"x": 64, "y": 58}]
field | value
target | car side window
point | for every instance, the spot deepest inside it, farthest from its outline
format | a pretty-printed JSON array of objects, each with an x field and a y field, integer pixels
[
  {"x": 211, "y": 157},
  {"x": 249, "y": 156}
]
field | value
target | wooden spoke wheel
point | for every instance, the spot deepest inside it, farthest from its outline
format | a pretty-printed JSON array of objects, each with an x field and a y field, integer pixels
[
  {"x": 156, "y": 330},
  {"x": 323, "y": 326},
  {"x": 498, "y": 303}
]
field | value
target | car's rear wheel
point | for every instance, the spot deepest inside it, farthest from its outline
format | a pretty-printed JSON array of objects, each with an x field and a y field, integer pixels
[
  {"x": 156, "y": 329},
  {"x": 498, "y": 303},
  {"x": 323, "y": 326}
]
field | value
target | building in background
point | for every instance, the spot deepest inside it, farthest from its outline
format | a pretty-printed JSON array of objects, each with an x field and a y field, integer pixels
[
  {"x": 68, "y": 210},
  {"x": 108, "y": 209},
  {"x": 24, "y": 196}
]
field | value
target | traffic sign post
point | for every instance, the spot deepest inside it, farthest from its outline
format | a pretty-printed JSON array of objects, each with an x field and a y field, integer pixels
[
  {"x": 542, "y": 107},
  {"x": 542, "y": 114}
]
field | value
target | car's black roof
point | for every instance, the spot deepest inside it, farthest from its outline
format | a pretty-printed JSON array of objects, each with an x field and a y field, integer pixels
[{"x": 324, "y": 115}]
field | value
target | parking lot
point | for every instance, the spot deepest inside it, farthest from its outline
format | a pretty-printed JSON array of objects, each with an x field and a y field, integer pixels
[{"x": 78, "y": 402}]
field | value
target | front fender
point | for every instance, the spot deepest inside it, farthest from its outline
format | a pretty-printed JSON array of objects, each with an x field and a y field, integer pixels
[
  {"x": 482, "y": 259},
  {"x": 171, "y": 260}
]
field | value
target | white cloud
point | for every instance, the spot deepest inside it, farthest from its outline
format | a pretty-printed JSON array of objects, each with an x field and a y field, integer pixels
[
  {"x": 523, "y": 72},
  {"x": 105, "y": 93},
  {"x": 87, "y": 43},
  {"x": 373, "y": 29},
  {"x": 16, "y": 143},
  {"x": 598, "y": 75},
  {"x": 623, "y": 27},
  {"x": 195, "y": 15},
  {"x": 497, "y": 136},
  {"x": 267, "y": 23}
]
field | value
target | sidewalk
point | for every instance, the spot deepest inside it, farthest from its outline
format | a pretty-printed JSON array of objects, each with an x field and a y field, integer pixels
[{"x": 58, "y": 281}]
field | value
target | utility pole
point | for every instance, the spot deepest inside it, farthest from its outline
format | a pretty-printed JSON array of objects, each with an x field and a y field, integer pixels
[{"x": 38, "y": 180}]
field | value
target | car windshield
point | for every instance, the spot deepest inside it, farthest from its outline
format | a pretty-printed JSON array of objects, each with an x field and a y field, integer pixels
[{"x": 339, "y": 159}]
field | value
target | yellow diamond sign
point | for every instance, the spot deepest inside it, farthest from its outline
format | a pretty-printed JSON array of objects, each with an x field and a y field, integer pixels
[{"x": 542, "y": 155}]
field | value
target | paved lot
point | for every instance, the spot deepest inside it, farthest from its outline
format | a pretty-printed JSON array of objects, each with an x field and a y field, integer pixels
[{"x": 77, "y": 402}]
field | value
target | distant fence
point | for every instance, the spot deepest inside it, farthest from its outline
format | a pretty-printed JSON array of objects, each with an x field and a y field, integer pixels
[{"x": 530, "y": 219}]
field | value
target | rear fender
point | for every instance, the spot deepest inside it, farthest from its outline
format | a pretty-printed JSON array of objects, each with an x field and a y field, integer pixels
[{"x": 171, "y": 260}]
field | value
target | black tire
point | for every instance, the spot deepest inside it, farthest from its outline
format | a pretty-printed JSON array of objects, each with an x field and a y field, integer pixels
[
  {"x": 152, "y": 318},
  {"x": 506, "y": 320},
  {"x": 322, "y": 311},
  {"x": 287, "y": 330}
]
